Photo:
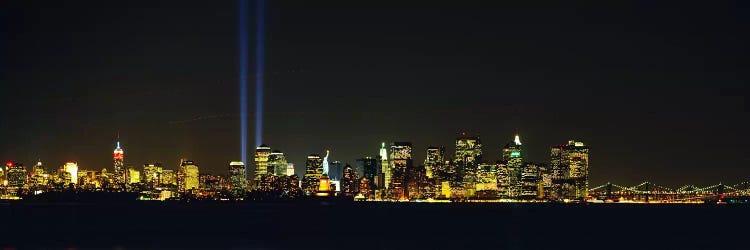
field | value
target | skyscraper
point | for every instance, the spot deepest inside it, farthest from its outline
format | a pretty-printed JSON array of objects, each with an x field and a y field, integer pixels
[
  {"x": 189, "y": 173},
  {"x": 512, "y": 162},
  {"x": 401, "y": 160},
  {"x": 433, "y": 162},
  {"x": 313, "y": 172},
  {"x": 349, "y": 181},
  {"x": 529, "y": 180},
  {"x": 277, "y": 163},
  {"x": 570, "y": 170},
  {"x": 237, "y": 182},
  {"x": 385, "y": 167},
  {"x": 72, "y": 169},
  {"x": 119, "y": 165},
  {"x": 262, "y": 153},
  {"x": 468, "y": 155}
]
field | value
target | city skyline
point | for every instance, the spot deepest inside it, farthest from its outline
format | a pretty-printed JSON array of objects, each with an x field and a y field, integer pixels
[{"x": 641, "y": 83}]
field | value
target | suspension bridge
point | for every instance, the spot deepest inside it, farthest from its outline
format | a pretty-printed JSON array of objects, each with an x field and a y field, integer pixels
[{"x": 649, "y": 192}]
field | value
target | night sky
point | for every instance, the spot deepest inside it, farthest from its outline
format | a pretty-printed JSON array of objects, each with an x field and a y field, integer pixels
[{"x": 658, "y": 91}]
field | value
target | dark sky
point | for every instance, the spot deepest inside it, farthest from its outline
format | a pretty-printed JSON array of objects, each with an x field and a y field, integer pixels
[{"x": 658, "y": 91}]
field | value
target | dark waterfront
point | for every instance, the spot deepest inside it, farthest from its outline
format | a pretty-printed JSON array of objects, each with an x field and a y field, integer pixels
[{"x": 371, "y": 225}]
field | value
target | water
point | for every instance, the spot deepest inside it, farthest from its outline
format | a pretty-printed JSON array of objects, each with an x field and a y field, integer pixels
[{"x": 371, "y": 225}]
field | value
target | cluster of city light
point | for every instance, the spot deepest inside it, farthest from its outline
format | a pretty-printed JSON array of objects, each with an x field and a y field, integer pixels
[{"x": 390, "y": 175}]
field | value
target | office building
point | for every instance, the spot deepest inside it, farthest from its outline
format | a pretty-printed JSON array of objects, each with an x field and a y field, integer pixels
[
  {"x": 119, "y": 166},
  {"x": 237, "y": 181},
  {"x": 277, "y": 163},
  {"x": 570, "y": 170},
  {"x": 401, "y": 161}
]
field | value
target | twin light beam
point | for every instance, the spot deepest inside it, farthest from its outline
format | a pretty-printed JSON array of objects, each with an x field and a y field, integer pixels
[{"x": 259, "y": 68}]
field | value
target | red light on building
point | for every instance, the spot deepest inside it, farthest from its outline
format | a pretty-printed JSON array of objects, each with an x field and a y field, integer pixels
[{"x": 9, "y": 164}]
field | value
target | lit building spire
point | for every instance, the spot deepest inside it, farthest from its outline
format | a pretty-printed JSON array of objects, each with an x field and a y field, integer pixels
[{"x": 517, "y": 140}]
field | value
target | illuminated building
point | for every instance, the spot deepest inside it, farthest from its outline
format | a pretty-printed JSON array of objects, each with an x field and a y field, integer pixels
[
  {"x": 385, "y": 167},
  {"x": 262, "y": 153},
  {"x": 401, "y": 161},
  {"x": 189, "y": 175},
  {"x": 529, "y": 181},
  {"x": 89, "y": 179},
  {"x": 16, "y": 174},
  {"x": 417, "y": 182},
  {"x": 210, "y": 185},
  {"x": 570, "y": 170},
  {"x": 3, "y": 177},
  {"x": 168, "y": 177},
  {"x": 72, "y": 169},
  {"x": 277, "y": 163},
  {"x": 349, "y": 181},
  {"x": 313, "y": 172},
  {"x": 468, "y": 155},
  {"x": 134, "y": 176},
  {"x": 39, "y": 177},
  {"x": 365, "y": 188},
  {"x": 290, "y": 169},
  {"x": 512, "y": 162},
  {"x": 119, "y": 167},
  {"x": 433, "y": 162},
  {"x": 152, "y": 174},
  {"x": 486, "y": 182},
  {"x": 445, "y": 189},
  {"x": 545, "y": 181},
  {"x": 237, "y": 182}
]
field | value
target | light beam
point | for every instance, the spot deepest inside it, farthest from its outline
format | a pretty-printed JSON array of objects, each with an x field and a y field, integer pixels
[
  {"x": 260, "y": 47},
  {"x": 242, "y": 42}
]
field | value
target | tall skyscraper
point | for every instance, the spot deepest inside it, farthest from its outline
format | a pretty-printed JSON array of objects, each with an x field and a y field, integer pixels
[
  {"x": 529, "y": 180},
  {"x": 313, "y": 172},
  {"x": 262, "y": 153},
  {"x": 433, "y": 162},
  {"x": 119, "y": 165},
  {"x": 72, "y": 169},
  {"x": 237, "y": 181},
  {"x": 189, "y": 174},
  {"x": 570, "y": 170},
  {"x": 401, "y": 160},
  {"x": 349, "y": 181},
  {"x": 468, "y": 154},
  {"x": 512, "y": 162},
  {"x": 277, "y": 163},
  {"x": 385, "y": 166}
]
